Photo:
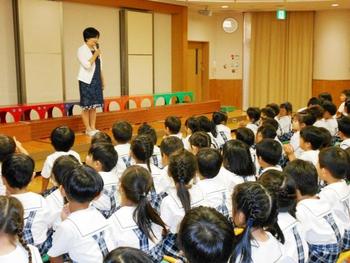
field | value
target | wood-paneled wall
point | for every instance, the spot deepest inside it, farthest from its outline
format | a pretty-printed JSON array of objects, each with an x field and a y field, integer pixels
[
  {"x": 227, "y": 91},
  {"x": 334, "y": 87}
]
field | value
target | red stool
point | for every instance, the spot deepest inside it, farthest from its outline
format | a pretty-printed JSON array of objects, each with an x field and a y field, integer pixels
[
  {"x": 140, "y": 98},
  {"x": 15, "y": 110},
  {"x": 121, "y": 101},
  {"x": 42, "y": 109}
]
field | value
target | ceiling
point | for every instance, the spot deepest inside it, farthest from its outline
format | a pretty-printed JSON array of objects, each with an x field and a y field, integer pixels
[{"x": 260, "y": 5}]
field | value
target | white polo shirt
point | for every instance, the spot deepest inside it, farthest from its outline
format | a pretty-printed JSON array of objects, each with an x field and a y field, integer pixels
[
  {"x": 310, "y": 156},
  {"x": 157, "y": 157},
  {"x": 285, "y": 123},
  {"x": 55, "y": 203},
  {"x": 20, "y": 255},
  {"x": 161, "y": 183},
  {"x": 123, "y": 151},
  {"x": 224, "y": 134},
  {"x": 345, "y": 144},
  {"x": 254, "y": 127},
  {"x": 295, "y": 142},
  {"x": 186, "y": 142}
]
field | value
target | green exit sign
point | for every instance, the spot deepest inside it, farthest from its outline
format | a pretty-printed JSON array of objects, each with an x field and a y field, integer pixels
[{"x": 281, "y": 14}]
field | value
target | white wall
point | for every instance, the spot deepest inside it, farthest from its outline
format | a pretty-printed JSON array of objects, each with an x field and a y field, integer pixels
[{"x": 332, "y": 45}]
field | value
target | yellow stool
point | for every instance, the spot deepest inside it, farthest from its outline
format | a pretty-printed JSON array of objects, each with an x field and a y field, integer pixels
[{"x": 344, "y": 257}]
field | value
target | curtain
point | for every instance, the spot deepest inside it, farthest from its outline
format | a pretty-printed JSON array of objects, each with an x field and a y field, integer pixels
[{"x": 281, "y": 59}]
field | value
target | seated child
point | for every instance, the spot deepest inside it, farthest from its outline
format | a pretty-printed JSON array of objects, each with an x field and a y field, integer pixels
[
  {"x": 223, "y": 133},
  {"x": 343, "y": 97},
  {"x": 333, "y": 169},
  {"x": 150, "y": 131},
  {"x": 199, "y": 230},
  {"x": 208, "y": 126},
  {"x": 101, "y": 137},
  {"x": 265, "y": 131},
  {"x": 84, "y": 233},
  {"x": 17, "y": 173},
  {"x": 344, "y": 132},
  {"x": 324, "y": 231},
  {"x": 253, "y": 115},
  {"x": 317, "y": 111},
  {"x": 172, "y": 126},
  {"x": 199, "y": 140},
  {"x": 62, "y": 139},
  {"x": 330, "y": 123},
  {"x": 13, "y": 248},
  {"x": 269, "y": 153},
  {"x": 284, "y": 117},
  {"x": 7, "y": 147},
  {"x": 103, "y": 158},
  {"x": 247, "y": 136},
  {"x": 325, "y": 96},
  {"x": 268, "y": 112},
  {"x": 127, "y": 254},
  {"x": 192, "y": 126},
  {"x": 312, "y": 101},
  {"x": 122, "y": 134}
]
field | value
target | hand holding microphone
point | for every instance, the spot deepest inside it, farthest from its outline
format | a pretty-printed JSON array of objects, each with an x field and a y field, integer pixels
[{"x": 97, "y": 49}]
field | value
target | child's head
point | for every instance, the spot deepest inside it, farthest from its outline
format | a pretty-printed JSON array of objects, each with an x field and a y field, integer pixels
[
  {"x": 252, "y": 207},
  {"x": 102, "y": 157},
  {"x": 265, "y": 132},
  {"x": 142, "y": 149},
  {"x": 209, "y": 162},
  {"x": 286, "y": 108},
  {"x": 206, "y": 125},
  {"x": 219, "y": 117},
  {"x": 135, "y": 184},
  {"x": 199, "y": 140},
  {"x": 327, "y": 137},
  {"x": 344, "y": 127},
  {"x": 317, "y": 111},
  {"x": 325, "y": 96},
  {"x": 192, "y": 125},
  {"x": 275, "y": 108},
  {"x": 172, "y": 125},
  {"x": 347, "y": 106},
  {"x": 122, "y": 132},
  {"x": 245, "y": 135},
  {"x": 269, "y": 152},
  {"x": 17, "y": 170},
  {"x": 82, "y": 185},
  {"x": 168, "y": 146},
  {"x": 253, "y": 114},
  {"x": 62, "y": 138},
  {"x": 101, "y": 137},
  {"x": 329, "y": 109},
  {"x": 267, "y": 112},
  {"x": 302, "y": 119},
  {"x": 12, "y": 222},
  {"x": 7, "y": 146},
  {"x": 313, "y": 101},
  {"x": 311, "y": 138},
  {"x": 345, "y": 95},
  {"x": 237, "y": 158},
  {"x": 148, "y": 130},
  {"x": 62, "y": 166},
  {"x": 182, "y": 168},
  {"x": 272, "y": 122},
  {"x": 127, "y": 254},
  {"x": 333, "y": 164},
  {"x": 283, "y": 187},
  {"x": 205, "y": 235},
  {"x": 305, "y": 176}
]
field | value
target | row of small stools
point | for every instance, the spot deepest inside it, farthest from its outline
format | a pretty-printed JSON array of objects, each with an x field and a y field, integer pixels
[{"x": 44, "y": 110}]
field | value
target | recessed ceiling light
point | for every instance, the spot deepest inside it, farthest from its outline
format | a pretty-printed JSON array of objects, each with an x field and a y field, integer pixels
[
  {"x": 335, "y": 5},
  {"x": 224, "y": 6}
]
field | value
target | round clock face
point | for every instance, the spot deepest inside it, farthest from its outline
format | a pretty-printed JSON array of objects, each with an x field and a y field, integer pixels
[{"x": 230, "y": 25}]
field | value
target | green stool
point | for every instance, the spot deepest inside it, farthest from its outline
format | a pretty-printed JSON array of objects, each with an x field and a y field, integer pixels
[
  {"x": 45, "y": 258},
  {"x": 182, "y": 94},
  {"x": 227, "y": 108},
  {"x": 166, "y": 96}
]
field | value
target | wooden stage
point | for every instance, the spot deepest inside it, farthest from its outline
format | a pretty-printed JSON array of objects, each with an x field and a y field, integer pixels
[{"x": 34, "y": 135}]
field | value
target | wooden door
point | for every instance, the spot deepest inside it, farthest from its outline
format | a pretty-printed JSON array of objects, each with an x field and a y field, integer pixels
[{"x": 195, "y": 69}]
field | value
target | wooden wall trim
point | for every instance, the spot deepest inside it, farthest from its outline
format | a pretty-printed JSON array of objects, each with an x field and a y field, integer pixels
[{"x": 334, "y": 87}]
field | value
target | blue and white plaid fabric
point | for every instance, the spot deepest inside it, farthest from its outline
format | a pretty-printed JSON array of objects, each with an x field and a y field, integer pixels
[
  {"x": 300, "y": 248},
  {"x": 330, "y": 252},
  {"x": 223, "y": 136},
  {"x": 286, "y": 137},
  {"x": 44, "y": 247},
  {"x": 99, "y": 238},
  {"x": 127, "y": 161},
  {"x": 156, "y": 199},
  {"x": 114, "y": 203},
  {"x": 49, "y": 191},
  {"x": 155, "y": 160},
  {"x": 223, "y": 208},
  {"x": 346, "y": 240},
  {"x": 27, "y": 230}
]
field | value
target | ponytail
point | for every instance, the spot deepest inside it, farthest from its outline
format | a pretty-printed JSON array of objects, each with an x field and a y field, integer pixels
[
  {"x": 184, "y": 196},
  {"x": 142, "y": 148},
  {"x": 24, "y": 245},
  {"x": 243, "y": 248}
]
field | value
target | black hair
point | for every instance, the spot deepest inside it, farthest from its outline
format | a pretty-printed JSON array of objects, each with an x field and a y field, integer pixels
[
  {"x": 346, "y": 92},
  {"x": 219, "y": 117},
  {"x": 272, "y": 122},
  {"x": 344, "y": 125},
  {"x": 245, "y": 135},
  {"x": 62, "y": 138},
  {"x": 90, "y": 32},
  {"x": 329, "y": 107},
  {"x": 288, "y": 106},
  {"x": 336, "y": 161},
  {"x": 82, "y": 184},
  {"x": 209, "y": 162},
  {"x": 171, "y": 144},
  {"x": 17, "y": 169},
  {"x": 136, "y": 183},
  {"x": 127, "y": 254},
  {"x": 347, "y": 106},
  {"x": 327, "y": 137},
  {"x": 192, "y": 124},
  {"x": 142, "y": 148},
  {"x": 206, "y": 125},
  {"x": 260, "y": 210},
  {"x": 122, "y": 131},
  {"x": 12, "y": 220},
  {"x": 283, "y": 187},
  {"x": 269, "y": 150},
  {"x": 275, "y": 108},
  {"x": 304, "y": 174},
  {"x": 325, "y": 96},
  {"x": 313, "y": 101},
  {"x": 267, "y": 131},
  {"x": 312, "y": 135},
  {"x": 253, "y": 114},
  {"x": 182, "y": 168},
  {"x": 200, "y": 139},
  {"x": 62, "y": 166},
  {"x": 205, "y": 235},
  {"x": 7, "y": 146},
  {"x": 237, "y": 158},
  {"x": 268, "y": 112},
  {"x": 306, "y": 118},
  {"x": 173, "y": 123},
  {"x": 316, "y": 110},
  {"x": 101, "y": 137},
  {"x": 148, "y": 130},
  {"x": 106, "y": 154}
]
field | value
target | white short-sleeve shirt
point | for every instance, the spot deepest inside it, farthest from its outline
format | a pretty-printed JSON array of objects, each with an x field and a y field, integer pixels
[
  {"x": 48, "y": 164},
  {"x": 310, "y": 156},
  {"x": 20, "y": 255},
  {"x": 331, "y": 125},
  {"x": 310, "y": 213},
  {"x": 341, "y": 109},
  {"x": 156, "y": 158},
  {"x": 123, "y": 151},
  {"x": 161, "y": 183},
  {"x": 345, "y": 144},
  {"x": 254, "y": 127},
  {"x": 224, "y": 134},
  {"x": 186, "y": 142},
  {"x": 285, "y": 123},
  {"x": 42, "y": 219},
  {"x": 55, "y": 203},
  {"x": 295, "y": 142},
  {"x": 75, "y": 236}
]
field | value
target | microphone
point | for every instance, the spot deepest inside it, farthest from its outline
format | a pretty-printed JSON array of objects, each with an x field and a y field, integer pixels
[{"x": 97, "y": 45}]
